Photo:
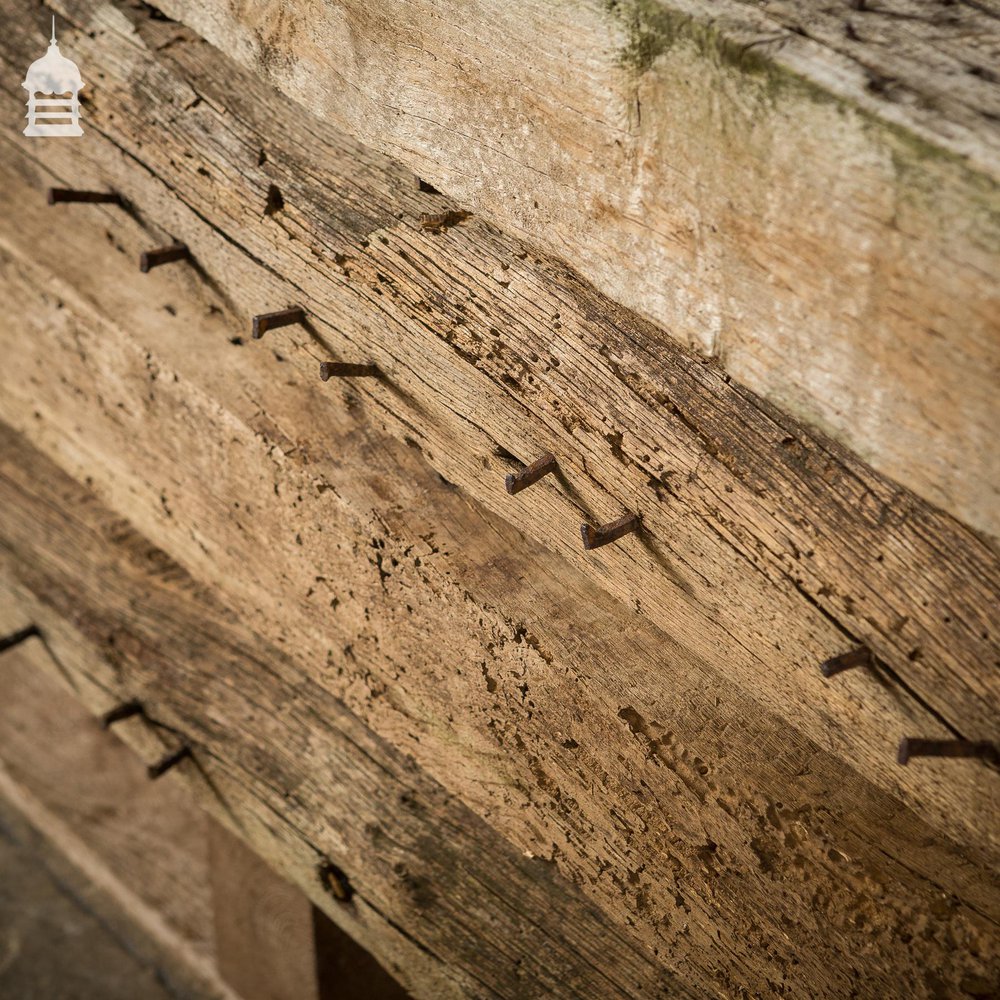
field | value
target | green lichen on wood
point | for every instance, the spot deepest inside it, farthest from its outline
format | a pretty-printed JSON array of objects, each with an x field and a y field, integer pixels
[{"x": 653, "y": 29}]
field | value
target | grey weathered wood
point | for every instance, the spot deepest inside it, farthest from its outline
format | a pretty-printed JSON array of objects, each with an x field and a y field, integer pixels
[{"x": 807, "y": 193}]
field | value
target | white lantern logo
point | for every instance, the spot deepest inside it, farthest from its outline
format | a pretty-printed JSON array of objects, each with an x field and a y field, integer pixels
[{"x": 53, "y": 77}]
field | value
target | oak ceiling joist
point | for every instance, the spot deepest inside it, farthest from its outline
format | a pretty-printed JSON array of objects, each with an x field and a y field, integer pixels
[
  {"x": 649, "y": 717},
  {"x": 763, "y": 547},
  {"x": 806, "y": 192}
]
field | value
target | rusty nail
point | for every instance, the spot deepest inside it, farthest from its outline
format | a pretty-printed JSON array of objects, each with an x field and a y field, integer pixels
[
  {"x": 16, "y": 638},
  {"x": 271, "y": 321},
  {"x": 57, "y": 195},
  {"x": 910, "y": 746},
  {"x": 335, "y": 882},
  {"x": 168, "y": 761},
  {"x": 163, "y": 255},
  {"x": 860, "y": 657},
  {"x": 594, "y": 538},
  {"x": 123, "y": 711},
  {"x": 517, "y": 481},
  {"x": 341, "y": 369}
]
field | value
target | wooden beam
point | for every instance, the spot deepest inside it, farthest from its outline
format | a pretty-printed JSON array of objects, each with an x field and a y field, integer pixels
[
  {"x": 580, "y": 732},
  {"x": 808, "y": 195},
  {"x": 134, "y": 851},
  {"x": 699, "y": 833},
  {"x": 446, "y": 903},
  {"x": 273, "y": 944},
  {"x": 765, "y": 550}
]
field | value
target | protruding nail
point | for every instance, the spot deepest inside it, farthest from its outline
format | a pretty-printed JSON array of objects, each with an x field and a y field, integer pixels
[
  {"x": 860, "y": 657},
  {"x": 123, "y": 711},
  {"x": 341, "y": 369},
  {"x": 16, "y": 638},
  {"x": 271, "y": 321},
  {"x": 165, "y": 763},
  {"x": 163, "y": 255},
  {"x": 335, "y": 882},
  {"x": 910, "y": 746},
  {"x": 594, "y": 538},
  {"x": 57, "y": 195},
  {"x": 517, "y": 481}
]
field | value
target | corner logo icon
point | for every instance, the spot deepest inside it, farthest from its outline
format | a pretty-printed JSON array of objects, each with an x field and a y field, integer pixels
[{"x": 53, "y": 84}]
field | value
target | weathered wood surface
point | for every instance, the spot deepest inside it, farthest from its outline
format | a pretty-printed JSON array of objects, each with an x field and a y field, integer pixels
[
  {"x": 764, "y": 550},
  {"x": 806, "y": 192},
  {"x": 135, "y": 852},
  {"x": 738, "y": 853},
  {"x": 680, "y": 833},
  {"x": 453, "y": 908},
  {"x": 581, "y": 733}
]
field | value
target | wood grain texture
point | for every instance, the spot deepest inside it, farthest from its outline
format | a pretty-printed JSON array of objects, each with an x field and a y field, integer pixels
[
  {"x": 695, "y": 854},
  {"x": 807, "y": 194},
  {"x": 764, "y": 548},
  {"x": 455, "y": 910},
  {"x": 737, "y": 848},
  {"x": 737, "y": 852}
]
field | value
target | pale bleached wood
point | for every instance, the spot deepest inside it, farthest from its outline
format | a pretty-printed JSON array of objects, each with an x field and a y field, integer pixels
[
  {"x": 808, "y": 194},
  {"x": 767, "y": 554}
]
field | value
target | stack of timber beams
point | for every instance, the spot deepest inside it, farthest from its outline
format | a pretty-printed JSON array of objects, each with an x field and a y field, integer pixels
[{"x": 542, "y": 770}]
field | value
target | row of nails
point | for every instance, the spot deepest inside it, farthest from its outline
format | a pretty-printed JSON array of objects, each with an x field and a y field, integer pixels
[
  {"x": 331, "y": 877},
  {"x": 123, "y": 711},
  {"x": 593, "y": 538},
  {"x": 909, "y": 746}
]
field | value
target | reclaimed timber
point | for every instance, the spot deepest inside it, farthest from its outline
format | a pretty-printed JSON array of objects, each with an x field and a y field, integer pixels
[
  {"x": 764, "y": 548},
  {"x": 553, "y": 701},
  {"x": 807, "y": 193},
  {"x": 455, "y": 909},
  {"x": 133, "y": 851},
  {"x": 740, "y": 854}
]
